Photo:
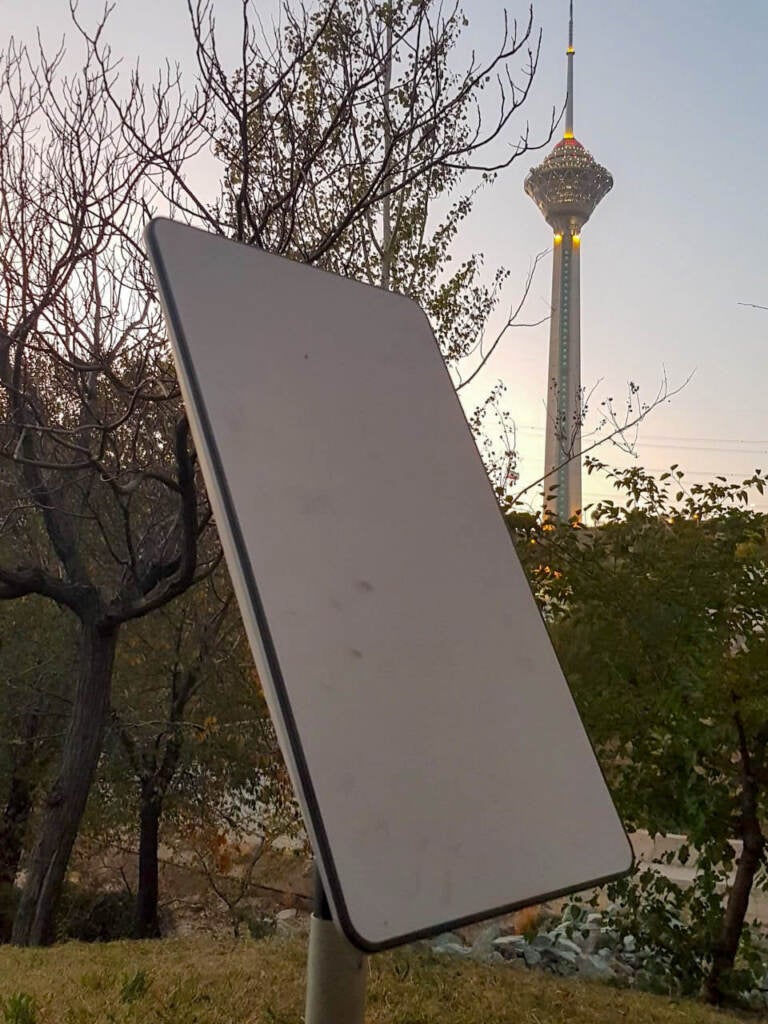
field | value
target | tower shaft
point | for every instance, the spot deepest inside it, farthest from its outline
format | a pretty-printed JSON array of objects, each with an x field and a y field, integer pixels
[{"x": 562, "y": 454}]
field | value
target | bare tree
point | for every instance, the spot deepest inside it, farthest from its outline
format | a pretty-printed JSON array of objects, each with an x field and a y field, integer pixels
[{"x": 100, "y": 492}]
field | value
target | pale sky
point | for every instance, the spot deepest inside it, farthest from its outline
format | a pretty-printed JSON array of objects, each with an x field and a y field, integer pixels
[{"x": 670, "y": 96}]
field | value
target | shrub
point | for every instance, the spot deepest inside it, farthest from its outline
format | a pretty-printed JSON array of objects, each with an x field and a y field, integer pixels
[
  {"x": 88, "y": 916},
  {"x": 675, "y": 929}
]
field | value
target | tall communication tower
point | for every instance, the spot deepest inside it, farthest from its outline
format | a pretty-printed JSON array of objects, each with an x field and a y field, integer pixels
[{"x": 566, "y": 187}]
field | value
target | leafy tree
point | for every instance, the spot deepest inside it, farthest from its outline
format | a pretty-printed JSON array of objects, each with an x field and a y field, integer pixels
[
  {"x": 353, "y": 138},
  {"x": 339, "y": 129},
  {"x": 401, "y": 139},
  {"x": 658, "y": 612}
]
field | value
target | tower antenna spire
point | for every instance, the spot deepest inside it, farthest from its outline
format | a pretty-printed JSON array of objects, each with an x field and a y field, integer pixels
[{"x": 569, "y": 102}]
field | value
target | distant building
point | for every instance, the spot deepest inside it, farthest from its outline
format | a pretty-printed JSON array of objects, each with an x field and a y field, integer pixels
[{"x": 566, "y": 187}]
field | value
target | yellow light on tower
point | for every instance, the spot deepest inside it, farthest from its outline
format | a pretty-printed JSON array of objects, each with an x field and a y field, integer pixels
[
  {"x": 558, "y": 239},
  {"x": 577, "y": 239}
]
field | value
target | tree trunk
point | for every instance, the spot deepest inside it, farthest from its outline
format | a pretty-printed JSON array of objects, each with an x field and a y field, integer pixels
[
  {"x": 65, "y": 803},
  {"x": 147, "y": 924},
  {"x": 724, "y": 952}
]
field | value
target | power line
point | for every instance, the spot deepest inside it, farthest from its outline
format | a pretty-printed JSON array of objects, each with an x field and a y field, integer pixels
[
  {"x": 708, "y": 448},
  {"x": 695, "y": 472},
  {"x": 671, "y": 437}
]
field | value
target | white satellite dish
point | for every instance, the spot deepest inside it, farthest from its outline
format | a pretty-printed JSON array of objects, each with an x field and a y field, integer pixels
[{"x": 436, "y": 751}]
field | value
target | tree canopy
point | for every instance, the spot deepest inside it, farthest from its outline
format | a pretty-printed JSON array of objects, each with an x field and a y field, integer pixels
[{"x": 658, "y": 612}]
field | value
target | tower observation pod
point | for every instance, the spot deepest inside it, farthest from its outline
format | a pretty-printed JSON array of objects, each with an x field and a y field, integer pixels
[{"x": 566, "y": 187}]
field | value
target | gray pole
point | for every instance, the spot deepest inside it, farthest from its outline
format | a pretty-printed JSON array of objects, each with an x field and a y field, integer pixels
[{"x": 337, "y": 973}]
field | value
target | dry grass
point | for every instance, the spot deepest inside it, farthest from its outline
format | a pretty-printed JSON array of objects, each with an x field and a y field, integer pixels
[{"x": 204, "y": 981}]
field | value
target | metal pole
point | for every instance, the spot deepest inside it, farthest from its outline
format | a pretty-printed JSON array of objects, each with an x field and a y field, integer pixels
[{"x": 337, "y": 973}]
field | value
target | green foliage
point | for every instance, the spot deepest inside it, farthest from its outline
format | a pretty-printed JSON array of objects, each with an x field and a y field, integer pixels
[
  {"x": 674, "y": 928},
  {"x": 679, "y": 926},
  {"x": 659, "y": 613},
  {"x": 19, "y": 1008}
]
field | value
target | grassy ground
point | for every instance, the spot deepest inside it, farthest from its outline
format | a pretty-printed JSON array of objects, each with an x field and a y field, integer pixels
[{"x": 201, "y": 981}]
